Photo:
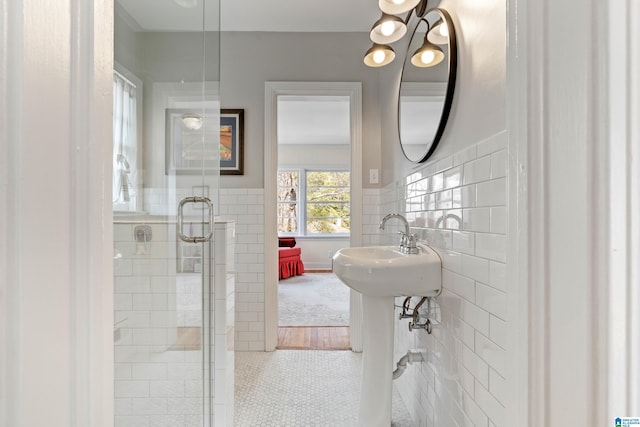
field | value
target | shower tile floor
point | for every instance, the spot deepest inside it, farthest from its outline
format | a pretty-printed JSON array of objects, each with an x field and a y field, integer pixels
[{"x": 300, "y": 388}]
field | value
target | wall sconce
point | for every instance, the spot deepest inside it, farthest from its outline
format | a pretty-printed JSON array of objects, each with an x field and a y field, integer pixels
[
  {"x": 391, "y": 28},
  {"x": 192, "y": 121},
  {"x": 439, "y": 34},
  {"x": 379, "y": 55},
  {"x": 388, "y": 29},
  {"x": 397, "y": 7},
  {"x": 427, "y": 55}
]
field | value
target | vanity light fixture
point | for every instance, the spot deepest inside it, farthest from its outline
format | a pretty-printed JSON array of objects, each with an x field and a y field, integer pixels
[
  {"x": 439, "y": 34},
  {"x": 391, "y": 28},
  {"x": 397, "y": 7},
  {"x": 388, "y": 29},
  {"x": 379, "y": 55},
  {"x": 192, "y": 121},
  {"x": 427, "y": 55}
]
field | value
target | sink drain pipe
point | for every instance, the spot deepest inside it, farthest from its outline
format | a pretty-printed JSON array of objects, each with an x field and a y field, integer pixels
[{"x": 412, "y": 356}]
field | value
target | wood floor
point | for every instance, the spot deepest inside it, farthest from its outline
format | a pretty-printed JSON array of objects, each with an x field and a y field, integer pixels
[
  {"x": 289, "y": 338},
  {"x": 313, "y": 338}
]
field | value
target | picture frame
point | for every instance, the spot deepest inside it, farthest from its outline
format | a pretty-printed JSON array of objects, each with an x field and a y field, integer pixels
[
  {"x": 231, "y": 142},
  {"x": 190, "y": 150}
]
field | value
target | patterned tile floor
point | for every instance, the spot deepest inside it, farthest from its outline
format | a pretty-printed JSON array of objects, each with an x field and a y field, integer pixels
[{"x": 302, "y": 388}]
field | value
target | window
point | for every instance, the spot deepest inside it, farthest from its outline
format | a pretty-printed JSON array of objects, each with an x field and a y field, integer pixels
[
  {"x": 313, "y": 202},
  {"x": 125, "y": 144},
  {"x": 288, "y": 190}
]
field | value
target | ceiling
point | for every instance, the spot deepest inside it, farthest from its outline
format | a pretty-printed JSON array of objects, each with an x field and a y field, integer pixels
[
  {"x": 306, "y": 120},
  {"x": 257, "y": 15},
  {"x": 299, "y": 15}
]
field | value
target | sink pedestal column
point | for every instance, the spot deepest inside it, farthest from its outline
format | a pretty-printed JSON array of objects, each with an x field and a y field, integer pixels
[{"x": 377, "y": 361}]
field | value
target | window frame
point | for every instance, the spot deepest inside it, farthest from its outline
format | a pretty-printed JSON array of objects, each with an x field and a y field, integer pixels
[
  {"x": 137, "y": 202},
  {"x": 301, "y": 203}
]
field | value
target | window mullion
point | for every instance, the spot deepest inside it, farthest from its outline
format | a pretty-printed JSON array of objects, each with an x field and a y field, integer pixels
[{"x": 302, "y": 225}]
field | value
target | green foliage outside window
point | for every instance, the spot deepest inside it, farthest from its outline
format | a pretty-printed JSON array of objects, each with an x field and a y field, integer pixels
[
  {"x": 325, "y": 202},
  {"x": 328, "y": 202}
]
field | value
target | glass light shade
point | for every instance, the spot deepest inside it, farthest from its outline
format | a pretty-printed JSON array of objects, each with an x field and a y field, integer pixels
[
  {"x": 379, "y": 55},
  {"x": 397, "y": 7},
  {"x": 427, "y": 56},
  {"x": 439, "y": 34},
  {"x": 388, "y": 29},
  {"x": 192, "y": 121}
]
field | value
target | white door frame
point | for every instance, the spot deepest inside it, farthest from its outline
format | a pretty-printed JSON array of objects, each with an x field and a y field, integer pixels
[
  {"x": 272, "y": 90},
  {"x": 573, "y": 92},
  {"x": 56, "y": 259}
]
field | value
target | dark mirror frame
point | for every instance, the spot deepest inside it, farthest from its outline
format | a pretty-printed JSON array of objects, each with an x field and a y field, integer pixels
[{"x": 452, "y": 56}]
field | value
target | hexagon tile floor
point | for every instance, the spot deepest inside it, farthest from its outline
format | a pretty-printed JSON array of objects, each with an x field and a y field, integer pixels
[{"x": 302, "y": 388}]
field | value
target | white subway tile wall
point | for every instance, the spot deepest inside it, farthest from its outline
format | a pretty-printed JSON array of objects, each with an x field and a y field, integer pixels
[
  {"x": 246, "y": 207},
  {"x": 458, "y": 206},
  {"x": 156, "y": 383},
  {"x": 371, "y": 217}
]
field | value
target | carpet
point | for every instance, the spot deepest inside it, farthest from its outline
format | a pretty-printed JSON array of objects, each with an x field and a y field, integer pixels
[{"x": 313, "y": 299}]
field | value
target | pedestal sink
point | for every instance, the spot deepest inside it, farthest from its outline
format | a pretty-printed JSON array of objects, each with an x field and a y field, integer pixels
[{"x": 381, "y": 273}]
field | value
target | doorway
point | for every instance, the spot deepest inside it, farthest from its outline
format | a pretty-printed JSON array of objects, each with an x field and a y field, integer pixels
[
  {"x": 313, "y": 211},
  {"x": 286, "y": 95}
]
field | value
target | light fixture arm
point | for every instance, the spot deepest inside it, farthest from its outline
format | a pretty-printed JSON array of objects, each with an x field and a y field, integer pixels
[{"x": 420, "y": 9}]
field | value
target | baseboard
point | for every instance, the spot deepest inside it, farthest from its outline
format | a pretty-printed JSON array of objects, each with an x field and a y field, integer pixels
[{"x": 308, "y": 266}]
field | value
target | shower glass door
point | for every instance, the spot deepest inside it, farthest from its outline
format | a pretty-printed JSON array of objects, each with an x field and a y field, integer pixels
[{"x": 166, "y": 181}]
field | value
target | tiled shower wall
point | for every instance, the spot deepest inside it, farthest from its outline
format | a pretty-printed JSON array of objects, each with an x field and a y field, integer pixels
[
  {"x": 158, "y": 383},
  {"x": 246, "y": 207},
  {"x": 457, "y": 205}
]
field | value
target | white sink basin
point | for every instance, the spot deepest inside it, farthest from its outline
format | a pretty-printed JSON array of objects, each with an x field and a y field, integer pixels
[
  {"x": 384, "y": 271},
  {"x": 381, "y": 273}
]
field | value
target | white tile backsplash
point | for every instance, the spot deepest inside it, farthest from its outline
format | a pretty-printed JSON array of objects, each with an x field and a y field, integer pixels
[
  {"x": 492, "y": 193},
  {"x": 475, "y": 268},
  {"x": 463, "y": 378},
  {"x": 464, "y": 242},
  {"x": 491, "y": 246},
  {"x": 477, "y": 171},
  {"x": 499, "y": 164},
  {"x": 477, "y": 219}
]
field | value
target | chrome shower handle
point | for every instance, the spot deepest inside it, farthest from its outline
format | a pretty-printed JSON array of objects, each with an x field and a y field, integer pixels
[{"x": 194, "y": 239}]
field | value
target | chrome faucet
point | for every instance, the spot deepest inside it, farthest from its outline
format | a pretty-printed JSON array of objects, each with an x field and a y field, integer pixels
[{"x": 407, "y": 241}]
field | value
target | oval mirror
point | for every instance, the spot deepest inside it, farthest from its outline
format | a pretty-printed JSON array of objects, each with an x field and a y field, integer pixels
[{"x": 426, "y": 86}]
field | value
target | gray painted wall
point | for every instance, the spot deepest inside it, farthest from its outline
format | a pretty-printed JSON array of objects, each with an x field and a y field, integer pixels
[{"x": 250, "y": 59}]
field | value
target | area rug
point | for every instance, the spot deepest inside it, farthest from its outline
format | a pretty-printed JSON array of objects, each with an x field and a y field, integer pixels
[{"x": 313, "y": 299}]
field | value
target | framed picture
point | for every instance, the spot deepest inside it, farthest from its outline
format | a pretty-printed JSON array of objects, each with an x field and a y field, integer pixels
[
  {"x": 192, "y": 145},
  {"x": 232, "y": 142}
]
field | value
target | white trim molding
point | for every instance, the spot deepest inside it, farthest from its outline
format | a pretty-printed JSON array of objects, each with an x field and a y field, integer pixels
[
  {"x": 272, "y": 90},
  {"x": 573, "y": 95},
  {"x": 617, "y": 188},
  {"x": 56, "y": 311}
]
